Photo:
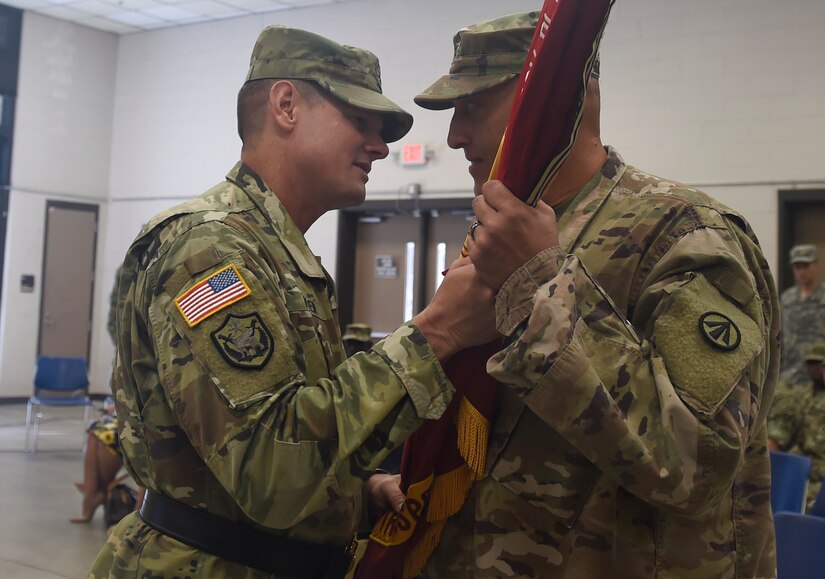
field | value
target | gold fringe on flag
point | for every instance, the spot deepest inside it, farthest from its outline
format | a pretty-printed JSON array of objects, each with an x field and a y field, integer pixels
[
  {"x": 473, "y": 432},
  {"x": 449, "y": 490},
  {"x": 448, "y": 493},
  {"x": 420, "y": 553}
]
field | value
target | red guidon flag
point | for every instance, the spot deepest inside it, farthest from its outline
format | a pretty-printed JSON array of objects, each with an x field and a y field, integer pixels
[{"x": 443, "y": 457}]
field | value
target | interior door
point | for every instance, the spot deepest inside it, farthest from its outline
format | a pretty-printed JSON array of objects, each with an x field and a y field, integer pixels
[
  {"x": 386, "y": 270},
  {"x": 808, "y": 227},
  {"x": 68, "y": 279},
  {"x": 446, "y": 233},
  {"x": 801, "y": 215}
]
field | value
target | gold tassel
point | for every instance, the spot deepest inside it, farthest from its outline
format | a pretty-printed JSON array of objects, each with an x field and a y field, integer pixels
[
  {"x": 420, "y": 553},
  {"x": 473, "y": 432},
  {"x": 448, "y": 493}
]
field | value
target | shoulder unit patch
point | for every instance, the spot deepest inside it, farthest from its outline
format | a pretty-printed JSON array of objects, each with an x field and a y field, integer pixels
[
  {"x": 212, "y": 294},
  {"x": 244, "y": 341},
  {"x": 720, "y": 331}
]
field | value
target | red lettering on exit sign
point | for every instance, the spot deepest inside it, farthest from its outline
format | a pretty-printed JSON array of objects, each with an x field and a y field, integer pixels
[{"x": 413, "y": 154}]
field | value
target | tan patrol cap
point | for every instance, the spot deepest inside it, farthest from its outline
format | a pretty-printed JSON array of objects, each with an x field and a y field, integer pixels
[
  {"x": 487, "y": 54},
  {"x": 358, "y": 333},
  {"x": 803, "y": 254},
  {"x": 815, "y": 353},
  {"x": 350, "y": 74}
]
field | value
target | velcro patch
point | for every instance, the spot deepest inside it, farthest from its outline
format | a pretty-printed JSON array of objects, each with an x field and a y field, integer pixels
[
  {"x": 706, "y": 341},
  {"x": 212, "y": 294}
]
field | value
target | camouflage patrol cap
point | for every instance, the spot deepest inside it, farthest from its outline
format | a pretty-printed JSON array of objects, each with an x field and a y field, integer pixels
[
  {"x": 815, "y": 353},
  {"x": 358, "y": 333},
  {"x": 350, "y": 74},
  {"x": 487, "y": 54},
  {"x": 803, "y": 253}
]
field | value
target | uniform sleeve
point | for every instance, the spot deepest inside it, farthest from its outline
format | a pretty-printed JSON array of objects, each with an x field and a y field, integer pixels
[
  {"x": 283, "y": 446},
  {"x": 667, "y": 406}
]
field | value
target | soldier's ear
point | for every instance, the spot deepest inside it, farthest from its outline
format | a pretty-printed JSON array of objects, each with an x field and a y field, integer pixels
[{"x": 281, "y": 104}]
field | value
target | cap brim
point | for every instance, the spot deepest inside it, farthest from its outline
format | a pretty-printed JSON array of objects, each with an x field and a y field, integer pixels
[
  {"x": 397, "y": 121},
  {"x": 443, "y": 93},
  {"x": 802, "y": 260}
]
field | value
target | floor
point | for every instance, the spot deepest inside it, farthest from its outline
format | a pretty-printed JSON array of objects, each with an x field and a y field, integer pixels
[{"x": 37, "y": 499}]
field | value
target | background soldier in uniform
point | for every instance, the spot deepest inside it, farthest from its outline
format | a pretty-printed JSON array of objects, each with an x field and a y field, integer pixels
[
  {"x": 803, "y": 313},
  {"x": 796, "y": 422},
  {"x": 630, "y": 438},
  {"x": 239, "y": 414},
  {"x": 356, "y": 338}
]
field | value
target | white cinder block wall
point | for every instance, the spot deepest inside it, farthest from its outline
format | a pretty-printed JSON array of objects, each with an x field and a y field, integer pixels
[
  {"x": 726, "y": 95},
  {"x": 62, "y": 144}
]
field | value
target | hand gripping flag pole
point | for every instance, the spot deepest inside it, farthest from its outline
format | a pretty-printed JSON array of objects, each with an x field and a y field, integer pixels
[{"x": 443, "y": 458}]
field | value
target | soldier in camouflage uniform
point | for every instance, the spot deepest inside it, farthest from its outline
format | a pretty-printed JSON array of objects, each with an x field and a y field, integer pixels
[
  {"x": 238, "y": 411},
  {"x": 630, "y": 440},
  {"x": 356, "y": 338},
  {"x": 803, "y": 313},
  {"x": 796, "y": 422},
  {"x": 111, "y": 320}
]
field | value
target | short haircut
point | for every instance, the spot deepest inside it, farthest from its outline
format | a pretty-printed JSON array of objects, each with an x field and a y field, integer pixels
[{"x": 252, "y": 102}]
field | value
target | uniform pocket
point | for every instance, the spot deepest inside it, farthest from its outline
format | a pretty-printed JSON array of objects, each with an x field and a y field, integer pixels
[
  {"x": 305, "y": 317},
  {"x": 707, "y": 342},
  {"x": 538, "y": 465}
]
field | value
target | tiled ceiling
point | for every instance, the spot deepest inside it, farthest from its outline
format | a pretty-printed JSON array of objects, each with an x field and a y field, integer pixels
[{"x": 124, "y": 16}]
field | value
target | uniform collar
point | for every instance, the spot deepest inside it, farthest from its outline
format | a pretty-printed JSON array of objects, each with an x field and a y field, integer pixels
[
  {"x": 268, "y": 203},
  {"x": 577, "y": 212}
]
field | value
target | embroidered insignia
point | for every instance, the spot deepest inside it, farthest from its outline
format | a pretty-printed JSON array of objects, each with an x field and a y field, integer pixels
[
  {"x": 244, "y": 341},
  {"x": 221, "y": 289},
  {"x": 720, "y": 331}
]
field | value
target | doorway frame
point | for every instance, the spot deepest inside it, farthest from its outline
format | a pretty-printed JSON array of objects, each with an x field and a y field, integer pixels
[
  {"x": 92, "y": 208},
  {"x": 345, "y": 249},
  {"x": 790, "y": 201}
]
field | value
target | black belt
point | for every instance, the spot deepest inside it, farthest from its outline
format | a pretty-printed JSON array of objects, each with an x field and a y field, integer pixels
[{"x": 242, "y": 544}]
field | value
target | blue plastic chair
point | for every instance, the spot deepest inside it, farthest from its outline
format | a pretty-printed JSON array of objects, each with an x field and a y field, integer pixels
[
  {"x": 799, "y": 546},
  {"x": 62, "y": 382},
  {"x": 789, "y": 481}
]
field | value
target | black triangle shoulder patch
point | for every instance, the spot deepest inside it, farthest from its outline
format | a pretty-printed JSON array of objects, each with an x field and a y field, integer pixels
[{"x": 720, "y": 331}]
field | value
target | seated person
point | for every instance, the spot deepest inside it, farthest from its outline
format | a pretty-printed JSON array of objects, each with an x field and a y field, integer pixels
[
  {"x": 101, "y": 465},
  {"x": 796, "y": 422}
]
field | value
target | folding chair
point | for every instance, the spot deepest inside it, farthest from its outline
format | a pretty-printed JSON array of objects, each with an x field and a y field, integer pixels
[
  {"x": 62, "y": 382},
  {"x": 799, "y": 542},
  {"x": 789, "y": 481}
]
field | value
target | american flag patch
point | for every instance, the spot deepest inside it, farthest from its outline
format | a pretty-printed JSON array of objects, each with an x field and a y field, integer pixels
[{"x": 221, "y": 289}]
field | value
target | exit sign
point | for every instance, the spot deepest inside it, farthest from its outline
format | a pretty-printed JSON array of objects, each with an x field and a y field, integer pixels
[{"x": 413, "y": 155}]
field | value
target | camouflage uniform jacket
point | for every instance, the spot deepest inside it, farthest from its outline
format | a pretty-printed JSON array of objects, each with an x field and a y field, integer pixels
[
  {"x": 797, "y": 423},
  {"x": 630, "y": 440},
  {"x": 803, "y": 324},
  {"x": 251, "y": 414},
  {"x": 111, "y": 320}
]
